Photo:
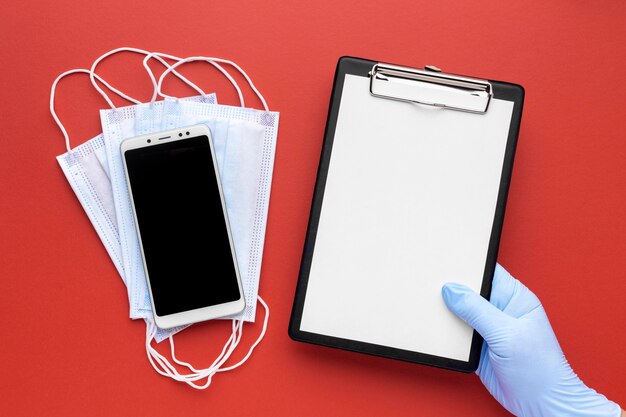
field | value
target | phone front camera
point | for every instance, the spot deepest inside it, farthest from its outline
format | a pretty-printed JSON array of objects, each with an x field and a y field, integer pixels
[
  {"x": 180, "y": 134},
  {"x": 149, "y": 140},
  {"x": 187, "y": 133}
]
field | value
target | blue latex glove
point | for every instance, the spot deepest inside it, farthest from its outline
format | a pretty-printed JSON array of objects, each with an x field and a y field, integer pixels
[{"x": 521, "y": 363}]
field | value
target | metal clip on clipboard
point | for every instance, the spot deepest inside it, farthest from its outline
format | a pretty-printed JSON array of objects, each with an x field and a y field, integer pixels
[{"x": 431, "y": 87}]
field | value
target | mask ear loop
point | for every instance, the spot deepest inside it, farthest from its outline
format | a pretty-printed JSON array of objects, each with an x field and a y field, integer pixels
[
  {"x": 159, "y": 56},
  {"x": 231, "y": 343},
  {"x": 235, "y": 337},
  {"x": 53, "y": 91},
  {"x": 169, "y": 370},
  {"x": 214, "y": 62},
  {"x": 165, "y": 368},
  {"x": 245, "y": 358},
  {"x": 258, "y": 340},
  {"x": 142, "y": 52},
  {"x": 158, "y": 90}
]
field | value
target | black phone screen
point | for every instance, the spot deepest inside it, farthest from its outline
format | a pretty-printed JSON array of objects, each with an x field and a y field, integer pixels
[{"x": 182, "y": 226}]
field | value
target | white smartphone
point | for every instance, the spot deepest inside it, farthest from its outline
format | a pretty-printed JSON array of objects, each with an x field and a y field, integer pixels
[{"x": 182, "y": 224}]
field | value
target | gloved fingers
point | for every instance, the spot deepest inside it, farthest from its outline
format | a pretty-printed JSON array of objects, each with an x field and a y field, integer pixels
[
  {"x": 492, "y": 324},
  {"x": 487, "y": 373},
  {"x": 510, "y": 295},
  {"x": 484, "y": 365},
  {"x": 503, "y": 288}
]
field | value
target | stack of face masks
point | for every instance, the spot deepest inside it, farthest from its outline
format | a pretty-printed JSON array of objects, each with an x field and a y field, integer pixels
[{"x": 244, "y": 142}]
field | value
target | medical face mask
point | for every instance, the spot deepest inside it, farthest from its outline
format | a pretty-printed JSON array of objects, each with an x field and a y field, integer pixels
[
  {"x": 145, "y": 119},
  {"x": 139, "y": 302},
  {"x": 87, "y": 171},
  {"x": 245, "y": 141},
  {"x": 142, "y": 118},
  {"x": 241, "y": 137}
]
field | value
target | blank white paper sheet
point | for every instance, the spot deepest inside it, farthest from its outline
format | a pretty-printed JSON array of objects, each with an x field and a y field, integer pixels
[{"x": 409, "y": 204}]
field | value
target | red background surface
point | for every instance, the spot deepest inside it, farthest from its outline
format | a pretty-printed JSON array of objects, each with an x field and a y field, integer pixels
[{"x": 67, "y": 345}]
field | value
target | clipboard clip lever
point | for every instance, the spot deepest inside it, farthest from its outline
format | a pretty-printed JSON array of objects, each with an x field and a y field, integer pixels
[{"x": 431, "y": 87}]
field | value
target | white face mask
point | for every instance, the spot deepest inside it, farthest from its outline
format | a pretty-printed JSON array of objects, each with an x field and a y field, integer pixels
[
  {"x": 241, "y": 137},
  {"x": 245, "y": 143},
  {"x": 87, "y": 170}
]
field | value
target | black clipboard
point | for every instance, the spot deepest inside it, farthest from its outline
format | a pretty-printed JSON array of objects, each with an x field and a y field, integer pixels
[{"x": 426, "y": 89}]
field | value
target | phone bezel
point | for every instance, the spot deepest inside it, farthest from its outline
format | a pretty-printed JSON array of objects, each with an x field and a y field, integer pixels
[{"x": 203, "y": 313}]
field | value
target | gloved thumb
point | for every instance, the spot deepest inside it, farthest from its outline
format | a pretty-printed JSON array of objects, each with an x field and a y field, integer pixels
[{"x": 476, "y": 311}]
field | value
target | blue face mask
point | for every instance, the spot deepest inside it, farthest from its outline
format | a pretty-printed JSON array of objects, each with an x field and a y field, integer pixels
[
  {"x": 245, "y": 141},
  {"x": 140, "y": 118},
  {"x": 87, "y": 170},
  {"x": 245, "y": 145}
]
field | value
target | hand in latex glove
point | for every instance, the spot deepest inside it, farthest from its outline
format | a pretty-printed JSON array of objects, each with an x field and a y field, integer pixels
[{"x": 521, "y": 363}]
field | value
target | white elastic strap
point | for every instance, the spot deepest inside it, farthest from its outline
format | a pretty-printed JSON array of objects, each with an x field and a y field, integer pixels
[
  {"x": 158, "y": 89},
  {"x": 159, "y": 56},
  {"x": 165, "y": 368},
  {"x": 53, "y": 91},
  {"x": 171, "y": 372},
  {"x": 234, "y": 338},
  {"x": 142, "y": 52},
  {"x": 258, "y": 340},
  {"x": 261, "y": 335},
  {"x": 217, "y": 60}
]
